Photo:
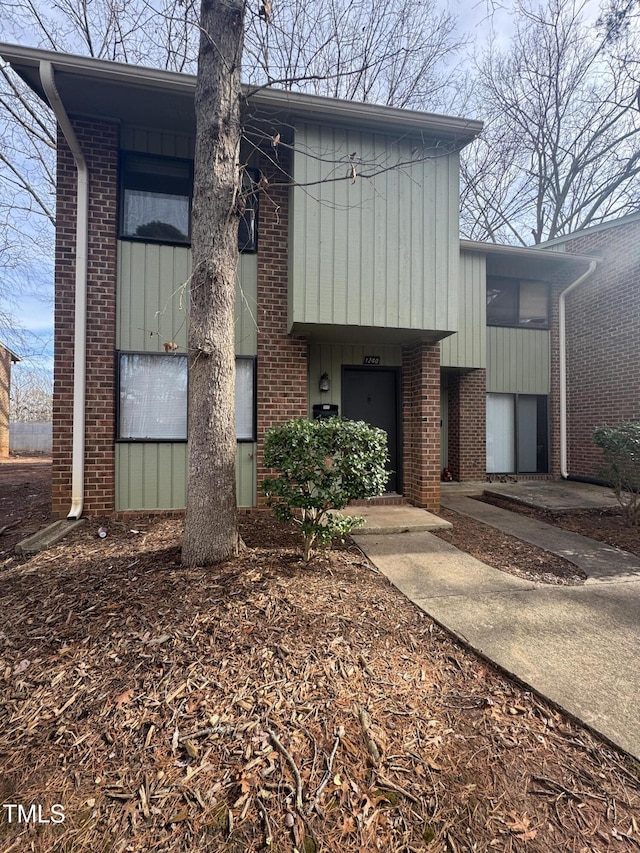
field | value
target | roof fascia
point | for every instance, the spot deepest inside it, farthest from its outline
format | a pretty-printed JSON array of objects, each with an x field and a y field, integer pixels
[
  {"x": 458, "y": 130},
  {"x": 538, "y": 254},
  {"x": 14, "y": 357},
  {"x": 629, "y": 219}
]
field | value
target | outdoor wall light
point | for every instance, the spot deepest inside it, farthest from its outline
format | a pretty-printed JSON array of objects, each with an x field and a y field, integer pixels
[{"x": 325, "y": 382}]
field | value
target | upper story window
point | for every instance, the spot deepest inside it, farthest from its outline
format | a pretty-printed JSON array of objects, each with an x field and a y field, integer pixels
[
  {"x": 511, "y": 302},
  {"x": 248, "y": 226},
  {"x": 156, "y": 195},
  {"x": 156, "y": 198}
]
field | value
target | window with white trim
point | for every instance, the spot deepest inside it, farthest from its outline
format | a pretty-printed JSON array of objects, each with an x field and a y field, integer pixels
[{"x": 517, "y": 434}]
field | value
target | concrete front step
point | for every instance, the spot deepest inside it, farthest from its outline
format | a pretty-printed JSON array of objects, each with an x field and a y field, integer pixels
[{"x": 395, "y": 519}]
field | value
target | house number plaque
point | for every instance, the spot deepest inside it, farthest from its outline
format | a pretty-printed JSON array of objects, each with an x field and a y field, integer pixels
[{"x": 371, "y": 359}]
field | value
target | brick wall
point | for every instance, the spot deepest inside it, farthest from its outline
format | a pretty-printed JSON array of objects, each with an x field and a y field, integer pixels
[
  {"x": 467, "y": 425},
  {"x": 421, "y": 424},
  {"x": 282, "y": 359},
  {"x": 5, "y": 385},
  {"x": 603, "y": 343},
  {"x": 99, "y": 142}
]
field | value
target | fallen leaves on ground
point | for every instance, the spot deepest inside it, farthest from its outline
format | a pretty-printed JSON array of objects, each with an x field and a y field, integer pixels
[
  {"x": 605, "y": 524},
  {"x": 267, "y": 705},
  {"x": 507, "y": 553}
]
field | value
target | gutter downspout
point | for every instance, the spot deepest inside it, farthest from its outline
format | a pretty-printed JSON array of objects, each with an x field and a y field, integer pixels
[
  {"x": 562, "y": 341},
  {"x": 47, "y": 78}
]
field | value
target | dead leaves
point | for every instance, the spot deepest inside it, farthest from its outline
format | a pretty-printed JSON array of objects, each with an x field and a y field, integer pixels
[
  {"x": 389, "y": 736},
  {"x": 520, "y": 826},
  {"x": 265, "y": 11},
  {"x": 124, "y": 698},
  {"x": 192, "y": 749}
]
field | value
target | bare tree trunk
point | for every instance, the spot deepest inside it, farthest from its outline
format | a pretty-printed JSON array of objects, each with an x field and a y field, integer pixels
[{"x": 210, "y": 526}]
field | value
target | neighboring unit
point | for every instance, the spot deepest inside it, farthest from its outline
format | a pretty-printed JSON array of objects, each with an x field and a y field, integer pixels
[
  {"x": 603, "y": 338},
  {"x": 7, "y": 358}
]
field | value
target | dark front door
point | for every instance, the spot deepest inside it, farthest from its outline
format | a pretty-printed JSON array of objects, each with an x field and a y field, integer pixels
[{"x": 372, "y": 395}]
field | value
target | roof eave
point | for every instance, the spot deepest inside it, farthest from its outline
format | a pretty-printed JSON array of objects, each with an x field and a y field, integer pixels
[
  {"x": 524, "y": 252},
  {"x": 459, "y": 131},
  {"x": 13, "y": 356}
]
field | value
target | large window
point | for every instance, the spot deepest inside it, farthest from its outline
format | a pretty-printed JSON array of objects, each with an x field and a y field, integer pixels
[
  {"x": 511, "y": 302},
  {"x": 155, "y": 204},
  {"x": 152, "y": 397},
  {"x": 517, "y": 434}
]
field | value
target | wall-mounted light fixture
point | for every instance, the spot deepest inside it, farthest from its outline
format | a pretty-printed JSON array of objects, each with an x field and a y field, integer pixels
[{"x": 325, "y": 382}]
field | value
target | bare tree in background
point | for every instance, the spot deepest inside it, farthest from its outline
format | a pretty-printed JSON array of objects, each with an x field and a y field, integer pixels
[
  {"x": 31, "y": 399},
  {"x": 394, "y": 53},
  {"x": 616, "y": 19},
  {"x": 27, "y": 202},
  {"x": 561, "y": 146}
]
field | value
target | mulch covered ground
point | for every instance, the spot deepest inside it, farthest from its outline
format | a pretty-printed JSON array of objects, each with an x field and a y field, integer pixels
[
  {"x": 605, "y": 525},
  {"x": 267, "y": 705},
  {"x": 506, "y": 552}
]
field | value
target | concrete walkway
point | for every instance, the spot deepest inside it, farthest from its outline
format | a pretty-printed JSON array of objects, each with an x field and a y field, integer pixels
[
  {"x": 601, "y": 562},
  {"x": 395, "y": 519},
  {"x": 579, "y": 646}
]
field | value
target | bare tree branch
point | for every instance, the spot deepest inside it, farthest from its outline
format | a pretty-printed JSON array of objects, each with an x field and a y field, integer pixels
[{"x": 562, "y": 130}]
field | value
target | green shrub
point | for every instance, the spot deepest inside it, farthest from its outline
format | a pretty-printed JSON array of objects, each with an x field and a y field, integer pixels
[
  {"x": 621, "y": 448},
  {"x": 322, "y": 465}
]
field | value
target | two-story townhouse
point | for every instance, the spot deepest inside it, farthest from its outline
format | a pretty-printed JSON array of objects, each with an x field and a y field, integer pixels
[
  {"x": 348, "y": 278},
  {"x": 355, "y": 296}
]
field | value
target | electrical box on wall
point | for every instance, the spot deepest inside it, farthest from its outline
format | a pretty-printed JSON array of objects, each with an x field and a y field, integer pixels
[{"x": 325, "y": 410}]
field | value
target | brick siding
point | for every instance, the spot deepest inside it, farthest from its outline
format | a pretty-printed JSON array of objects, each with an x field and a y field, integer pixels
[
  {"x": 99, "y": 143},
  {"x": 467, "y": 425},
  {"x": 421, "y": 424},
  {"x": 5, "y": 386},
  {"x": 282, "y": 387},
  {"x": 603, "y": 341}
]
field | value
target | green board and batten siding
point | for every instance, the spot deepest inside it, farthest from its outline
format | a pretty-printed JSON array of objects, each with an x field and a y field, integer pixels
[
  {"x": 518, "y": 361},
  {"x": 379, "y": 252},
  {"x": 468, "y": 348},
  {"x": 148, "y": 141},
  {"x": 152, "y": 310}
]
